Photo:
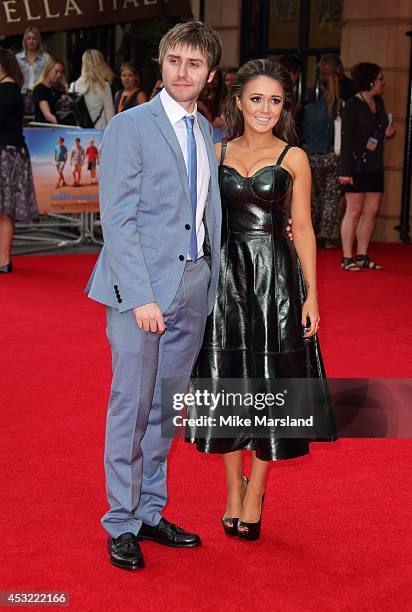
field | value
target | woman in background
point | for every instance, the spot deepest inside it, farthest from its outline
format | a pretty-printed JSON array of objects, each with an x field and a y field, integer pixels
[
  {"x": 364, "y": 130},
  {"x": 17, "y": 197},
  {"x": 157, "y": 88},
  {"x": 212, "y": 97},
  {"x": 318, "y": 139},
  {"x": 48, "y": 91},
  {"x": 32, "y": 59},
  {"x": 131, "y": 95},
  {"x": 94, "y": 84}
]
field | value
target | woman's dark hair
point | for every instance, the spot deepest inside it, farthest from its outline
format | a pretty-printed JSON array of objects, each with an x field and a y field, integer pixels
[
  {"x": 10, "y": 65},
  {"x": 364, "y": 75},
  {"x": 285, "y": 127}
]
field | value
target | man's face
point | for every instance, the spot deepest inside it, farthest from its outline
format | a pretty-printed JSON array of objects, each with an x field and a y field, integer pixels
[{"x": 185, "y": 73}]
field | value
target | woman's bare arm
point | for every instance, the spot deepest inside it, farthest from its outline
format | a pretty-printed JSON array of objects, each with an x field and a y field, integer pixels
[
  {"x": 45, "y": 109},
  {"x": 303, "y": 234}
]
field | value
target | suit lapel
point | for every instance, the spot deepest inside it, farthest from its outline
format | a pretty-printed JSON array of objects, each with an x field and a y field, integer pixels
[{"x": 169, "y": 134}]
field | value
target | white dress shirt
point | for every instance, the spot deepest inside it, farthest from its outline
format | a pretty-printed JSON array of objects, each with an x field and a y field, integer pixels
[{"x": 175, "y": 114}]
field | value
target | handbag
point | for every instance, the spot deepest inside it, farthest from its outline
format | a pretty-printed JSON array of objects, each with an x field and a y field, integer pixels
[{"x": 79, "y": 107}]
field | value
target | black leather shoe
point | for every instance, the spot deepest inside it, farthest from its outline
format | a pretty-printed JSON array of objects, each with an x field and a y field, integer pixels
[
  {"x": 125, "y": 552},
  {"x": 169, "y": 534}
]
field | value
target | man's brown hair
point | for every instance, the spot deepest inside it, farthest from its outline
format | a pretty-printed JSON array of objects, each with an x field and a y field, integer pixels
[{"x": 193, "y": 34}]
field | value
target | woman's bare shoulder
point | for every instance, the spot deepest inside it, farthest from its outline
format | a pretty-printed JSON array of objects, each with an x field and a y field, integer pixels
[{"x": 297, "y": 156}]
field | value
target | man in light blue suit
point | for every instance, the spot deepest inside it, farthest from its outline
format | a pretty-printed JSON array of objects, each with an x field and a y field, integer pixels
[{"x": 157, "y": 275}]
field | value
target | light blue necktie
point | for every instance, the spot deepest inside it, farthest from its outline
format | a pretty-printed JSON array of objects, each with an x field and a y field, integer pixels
[{"x": 192, "y": 176}]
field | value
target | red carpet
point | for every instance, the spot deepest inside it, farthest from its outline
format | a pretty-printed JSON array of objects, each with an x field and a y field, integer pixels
[{"x": 336, "y": 525}]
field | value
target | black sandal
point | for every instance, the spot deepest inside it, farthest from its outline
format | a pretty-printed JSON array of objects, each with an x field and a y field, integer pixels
[
  {"x": 7, "y": 268},
  {"x": 364, "y": 261},
  {"x": 348, "y": 264},
  {"x": 230, "y": 523},
  {"x": 251, "y": 531}
]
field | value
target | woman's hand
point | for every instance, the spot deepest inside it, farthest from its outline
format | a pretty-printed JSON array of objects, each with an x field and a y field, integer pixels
[
  {"x": 390, "y": 132},
  {"x": 310, "y": 309},
  {"x": 289, "y": 232},
  {"x": 346, "y": 180}
]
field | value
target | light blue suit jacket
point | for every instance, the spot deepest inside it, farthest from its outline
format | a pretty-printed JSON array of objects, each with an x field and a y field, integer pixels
[{"x": 145, "y": 211}]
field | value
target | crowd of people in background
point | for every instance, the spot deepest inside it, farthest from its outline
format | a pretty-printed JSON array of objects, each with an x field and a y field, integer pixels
[{"x": 340, "y": 115}]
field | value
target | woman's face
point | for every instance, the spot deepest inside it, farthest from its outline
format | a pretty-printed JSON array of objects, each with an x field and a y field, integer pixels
[
  {"x": 128, "y": 78},
  {"x": 261, "y": 103},
  {"x": 378, "y": 85},
  {"x": 31, "y": 42},
  {"x": 55, "y": 73}
]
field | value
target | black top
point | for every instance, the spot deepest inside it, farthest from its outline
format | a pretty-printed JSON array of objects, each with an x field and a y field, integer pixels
[
  {"x": 358, "y": 125},
  {"x": 347, "y": 90},
  {"x": 11, "y": 115},
  {"x": 50, "y": 94},
  {"x": 131, "y": 102}
]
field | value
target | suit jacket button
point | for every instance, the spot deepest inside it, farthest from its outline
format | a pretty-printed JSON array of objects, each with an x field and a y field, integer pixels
[
  {"x": 181, "y": 257},
  {"x": 187, "y": 226},
  {"x": 115, "y": 287},
  {"x": 119, "y": 299}
]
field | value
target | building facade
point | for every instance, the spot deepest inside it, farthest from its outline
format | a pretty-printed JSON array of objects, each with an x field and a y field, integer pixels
[{"x": 371, "y": 30}]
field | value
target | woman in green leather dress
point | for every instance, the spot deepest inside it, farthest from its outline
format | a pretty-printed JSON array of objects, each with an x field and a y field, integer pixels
[{"x": 267, "y": 288}]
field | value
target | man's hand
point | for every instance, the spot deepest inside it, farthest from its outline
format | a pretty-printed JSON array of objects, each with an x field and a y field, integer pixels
[
  {"x": 289, "y": 230},
  {"x": 150, "y": 318}
]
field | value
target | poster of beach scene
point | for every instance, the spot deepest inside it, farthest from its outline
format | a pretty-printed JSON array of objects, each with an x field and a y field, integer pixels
[{"x": 65, "y": 165}]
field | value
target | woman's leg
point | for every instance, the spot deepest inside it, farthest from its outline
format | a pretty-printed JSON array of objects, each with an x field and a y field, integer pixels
[
  {"x": 252, "y": 504},
  {"x": 6, "y": 238},
  {"x": 235, "y": 483},
  {"x": 354, "y": 204},
  {"x": 367, "y": 221}
]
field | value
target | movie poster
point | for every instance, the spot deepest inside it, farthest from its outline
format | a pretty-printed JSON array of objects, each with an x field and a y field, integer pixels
[{"x": 65, "y": 165}]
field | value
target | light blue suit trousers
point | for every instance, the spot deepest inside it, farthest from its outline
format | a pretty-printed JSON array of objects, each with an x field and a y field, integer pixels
[{"x": 135, "y": 453}]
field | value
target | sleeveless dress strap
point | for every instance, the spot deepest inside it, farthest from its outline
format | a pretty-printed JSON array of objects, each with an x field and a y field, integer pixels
[
  {"x": 282, "y": 155},
  {"x": 223, "y": 151}
]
